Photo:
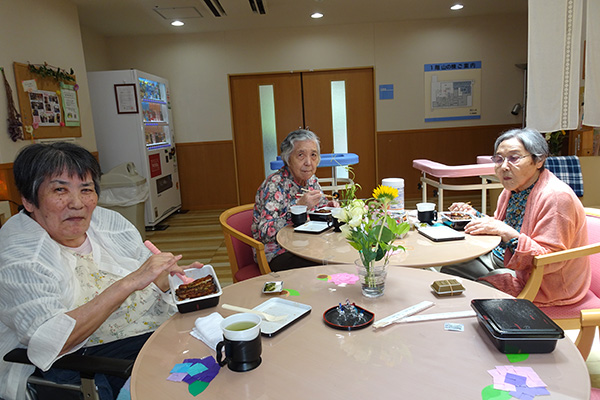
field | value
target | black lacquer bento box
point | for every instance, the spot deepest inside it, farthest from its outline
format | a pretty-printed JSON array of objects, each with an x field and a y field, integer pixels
[{"x": 517, "y": 325}]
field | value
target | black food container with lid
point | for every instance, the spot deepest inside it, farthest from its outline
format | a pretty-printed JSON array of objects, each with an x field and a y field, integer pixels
[{"x": 517, "y": 325}]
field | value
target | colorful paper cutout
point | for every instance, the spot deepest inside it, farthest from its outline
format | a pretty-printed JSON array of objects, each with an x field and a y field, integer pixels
[
  {"x": 292, "y": 292},
  {"x": 514, "y": 358},
  {"x": 196, "y": 372},
  {"x": 519, "y": 382},
  {"x": 197, "y": 387},
  {"x": 489, "y": 393},
  {"x": 344, "y": 279}
]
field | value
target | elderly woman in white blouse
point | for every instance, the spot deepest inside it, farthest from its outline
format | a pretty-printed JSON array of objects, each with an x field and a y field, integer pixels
[{"x": 73, "y": 277}]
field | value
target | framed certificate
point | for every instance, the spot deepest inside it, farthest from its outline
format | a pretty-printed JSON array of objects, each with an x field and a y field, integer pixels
[{"x": 126, "y": 97}]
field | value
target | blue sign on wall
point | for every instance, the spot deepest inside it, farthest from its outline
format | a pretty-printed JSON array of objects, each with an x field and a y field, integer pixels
[{"x": 386, "y": 92}]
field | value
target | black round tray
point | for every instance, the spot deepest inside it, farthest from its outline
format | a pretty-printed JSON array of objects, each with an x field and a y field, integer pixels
[{"x": 331, "y": 314}]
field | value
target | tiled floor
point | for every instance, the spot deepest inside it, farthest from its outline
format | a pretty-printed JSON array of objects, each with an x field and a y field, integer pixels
[{"x": 198, "y": 236}]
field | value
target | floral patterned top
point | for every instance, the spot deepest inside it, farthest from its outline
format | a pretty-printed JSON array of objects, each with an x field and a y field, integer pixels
[
  {"x": 514, "y": 218},
  {"x": 142, "y": 312},
  {"x": 272, "y": 205}
]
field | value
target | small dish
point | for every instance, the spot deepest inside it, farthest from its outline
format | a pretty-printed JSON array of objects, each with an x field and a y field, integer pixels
[
  {"x": 273, "y": 287},
  {"x": 332, "y": 319},
  {"x": 456, "y": 219},
  {"x": 321, "y": 214}
]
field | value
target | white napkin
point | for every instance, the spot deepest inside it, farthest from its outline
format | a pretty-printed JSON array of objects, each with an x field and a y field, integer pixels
[{"x": 208, "y": 329}]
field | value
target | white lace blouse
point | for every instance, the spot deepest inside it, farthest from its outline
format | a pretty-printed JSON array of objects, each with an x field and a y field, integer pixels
[{"x": 40, "y": 281}]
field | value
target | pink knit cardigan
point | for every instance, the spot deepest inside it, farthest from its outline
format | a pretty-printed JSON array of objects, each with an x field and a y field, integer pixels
[{"x": 554, "y": 220}]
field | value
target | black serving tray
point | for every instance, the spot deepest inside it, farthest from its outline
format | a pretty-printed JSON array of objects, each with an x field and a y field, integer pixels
[
  {"x": 517, "y": 325},
  {"x": 331, "y": 319}
]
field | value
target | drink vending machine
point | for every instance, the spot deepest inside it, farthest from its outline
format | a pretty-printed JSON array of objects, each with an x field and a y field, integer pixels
[{"x": 133, "y": 122}]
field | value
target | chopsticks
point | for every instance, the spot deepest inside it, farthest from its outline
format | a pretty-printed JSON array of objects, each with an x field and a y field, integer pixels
[{"x": 303, "y": 190}]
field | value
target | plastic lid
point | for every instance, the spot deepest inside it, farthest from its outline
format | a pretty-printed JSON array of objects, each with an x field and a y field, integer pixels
[{"x": 123, "y": 175}]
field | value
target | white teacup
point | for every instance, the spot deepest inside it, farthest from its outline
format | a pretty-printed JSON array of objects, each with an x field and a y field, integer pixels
[
  {"x": 425, "y": 207},
  {"x": 243, "y": 326}
]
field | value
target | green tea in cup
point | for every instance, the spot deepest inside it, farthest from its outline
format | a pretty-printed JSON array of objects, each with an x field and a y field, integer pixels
[{"x": 240, "y": 326}]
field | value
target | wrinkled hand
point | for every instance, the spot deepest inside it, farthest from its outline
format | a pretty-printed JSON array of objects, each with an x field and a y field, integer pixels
[
  {"x": 310, "y": 198},
  {"x": 491, "y": 226},
  {"x": 155, "y": 269},
  {"x": 463, "y": 207},
  {"x": 333, "y": 203}
]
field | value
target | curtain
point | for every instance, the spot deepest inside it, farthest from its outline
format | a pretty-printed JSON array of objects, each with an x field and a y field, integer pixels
[
  {"x": 554, "y": 64},
  {"x": 591, "y": 114}
]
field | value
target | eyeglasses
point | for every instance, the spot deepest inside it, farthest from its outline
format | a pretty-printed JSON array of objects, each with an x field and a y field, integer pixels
[{"x": 513, "y": 159}]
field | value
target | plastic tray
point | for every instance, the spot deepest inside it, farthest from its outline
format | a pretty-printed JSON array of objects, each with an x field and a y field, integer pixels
[
  {"x": 313, "y": 227},
  {"x": 197, "y": 303},
  {"x": 277, "y": 306}
]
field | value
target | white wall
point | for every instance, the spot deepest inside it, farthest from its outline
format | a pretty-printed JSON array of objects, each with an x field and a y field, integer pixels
[
  {"x": 39, "y": 31},
  {"x": 197, "y": 65}
]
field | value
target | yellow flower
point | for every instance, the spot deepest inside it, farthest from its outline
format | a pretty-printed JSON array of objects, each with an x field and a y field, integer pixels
[{"x": 385, "y": 194}]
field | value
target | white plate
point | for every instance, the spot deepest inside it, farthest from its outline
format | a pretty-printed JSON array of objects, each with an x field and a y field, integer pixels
[
  {"x": 277, "y": 306},
  {"x": 313, "y": 227}
]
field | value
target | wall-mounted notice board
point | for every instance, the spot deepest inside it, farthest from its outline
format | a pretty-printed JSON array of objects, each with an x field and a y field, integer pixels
[{"x": 49, "y": 106}]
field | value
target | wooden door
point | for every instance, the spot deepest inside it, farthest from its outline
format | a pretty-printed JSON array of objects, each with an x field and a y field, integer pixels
[
  {"x": 247, "y": 127},
  {"x": 302, "y": 100},
  {"x": 360, "y": 118}
]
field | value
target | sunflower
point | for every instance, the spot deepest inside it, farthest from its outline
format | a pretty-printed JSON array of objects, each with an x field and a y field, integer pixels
[{"x": 385, "y": 194}]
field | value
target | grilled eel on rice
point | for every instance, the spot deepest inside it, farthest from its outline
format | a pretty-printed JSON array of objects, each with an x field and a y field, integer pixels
[{"x": 200, "y": 287}]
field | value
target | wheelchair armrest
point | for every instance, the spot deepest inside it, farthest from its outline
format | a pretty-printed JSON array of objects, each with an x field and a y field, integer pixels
[{"x": 86, "y": 365}]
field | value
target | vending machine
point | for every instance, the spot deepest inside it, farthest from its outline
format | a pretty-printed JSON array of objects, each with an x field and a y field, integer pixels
[{"x": 133, "y": 122}]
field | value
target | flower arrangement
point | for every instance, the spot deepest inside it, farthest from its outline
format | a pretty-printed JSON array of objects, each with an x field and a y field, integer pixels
[
  {"x": 371, "y": 230},
  {"x": 555, "y": 141}
]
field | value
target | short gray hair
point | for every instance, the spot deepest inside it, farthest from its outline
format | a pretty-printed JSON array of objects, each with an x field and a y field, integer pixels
[
  {"x": 533, "y": 141},
  {"x": 287, "y": 146}
]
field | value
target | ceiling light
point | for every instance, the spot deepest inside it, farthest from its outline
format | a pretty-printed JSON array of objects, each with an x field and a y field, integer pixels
[
  {"x": 177, "y": 23},
  {"x": 316, "y": 15},
  {"x": 456, "y": 7}
]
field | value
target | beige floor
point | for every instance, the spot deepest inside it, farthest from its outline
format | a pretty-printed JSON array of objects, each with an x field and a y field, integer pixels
[{"x": 197, "y": 236}]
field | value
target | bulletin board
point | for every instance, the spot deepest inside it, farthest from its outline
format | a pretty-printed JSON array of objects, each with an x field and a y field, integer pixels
[{"x": 62, "y": 128}]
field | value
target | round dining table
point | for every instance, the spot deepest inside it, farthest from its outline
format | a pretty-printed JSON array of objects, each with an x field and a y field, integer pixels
[
  {"x": 331, "y": 247},
  {"x": 309, "y": 359}
]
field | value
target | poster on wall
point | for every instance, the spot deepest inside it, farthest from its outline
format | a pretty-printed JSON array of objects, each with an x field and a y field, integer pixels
[
  {"x": 70, "y": 108},
  {"x": 45, "y": 107},
  {"x": 452, "y": 91}
]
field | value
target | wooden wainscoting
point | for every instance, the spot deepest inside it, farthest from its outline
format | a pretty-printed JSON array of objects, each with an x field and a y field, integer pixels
[
  {"x": 207, "y": 175},
  {"x": 396, "y": 151}
]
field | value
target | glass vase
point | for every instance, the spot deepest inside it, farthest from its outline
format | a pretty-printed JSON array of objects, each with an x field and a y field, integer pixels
[{"x": 372, "y": 276}]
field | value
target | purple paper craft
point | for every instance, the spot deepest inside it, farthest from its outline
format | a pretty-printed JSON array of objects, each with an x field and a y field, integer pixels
[
  {"x": 177, "y": 376},
  {"x": 514, "y": 379},
  {"x": 196, "y": 369}
]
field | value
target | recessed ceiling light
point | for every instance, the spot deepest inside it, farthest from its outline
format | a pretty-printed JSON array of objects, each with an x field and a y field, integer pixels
[
  {"x": 316, "y": 15},
  {"x": 456, "y": 7},
  {"x": 177, "y": 23}
]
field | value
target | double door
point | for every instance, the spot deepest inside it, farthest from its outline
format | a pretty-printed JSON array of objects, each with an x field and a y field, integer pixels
[{"x": 337, "y": 105}]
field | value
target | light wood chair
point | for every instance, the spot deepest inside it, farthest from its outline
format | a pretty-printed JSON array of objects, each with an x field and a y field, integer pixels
[
  {"x": 236, "y": 224},
  {"x": 584, "y": 315}
]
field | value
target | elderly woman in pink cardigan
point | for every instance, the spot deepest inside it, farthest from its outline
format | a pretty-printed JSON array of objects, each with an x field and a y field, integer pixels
[{"x": 537, "y": 214}]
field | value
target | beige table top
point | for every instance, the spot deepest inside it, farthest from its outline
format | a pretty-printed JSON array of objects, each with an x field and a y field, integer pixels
[
  {"x": 331, "y": 247},
  {"x": 310, "y": 360}
]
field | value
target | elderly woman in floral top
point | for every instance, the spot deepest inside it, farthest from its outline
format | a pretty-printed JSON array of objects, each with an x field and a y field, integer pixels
[
  {"x": 301, "y": 154},
  {"x": 537, "y": 214}
]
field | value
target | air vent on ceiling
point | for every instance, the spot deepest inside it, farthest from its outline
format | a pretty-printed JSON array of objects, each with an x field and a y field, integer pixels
[
  {"x": 178, "y": 12},
  {"x": 257, "y": 6},
  {"x": 215, "y": 7}
]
